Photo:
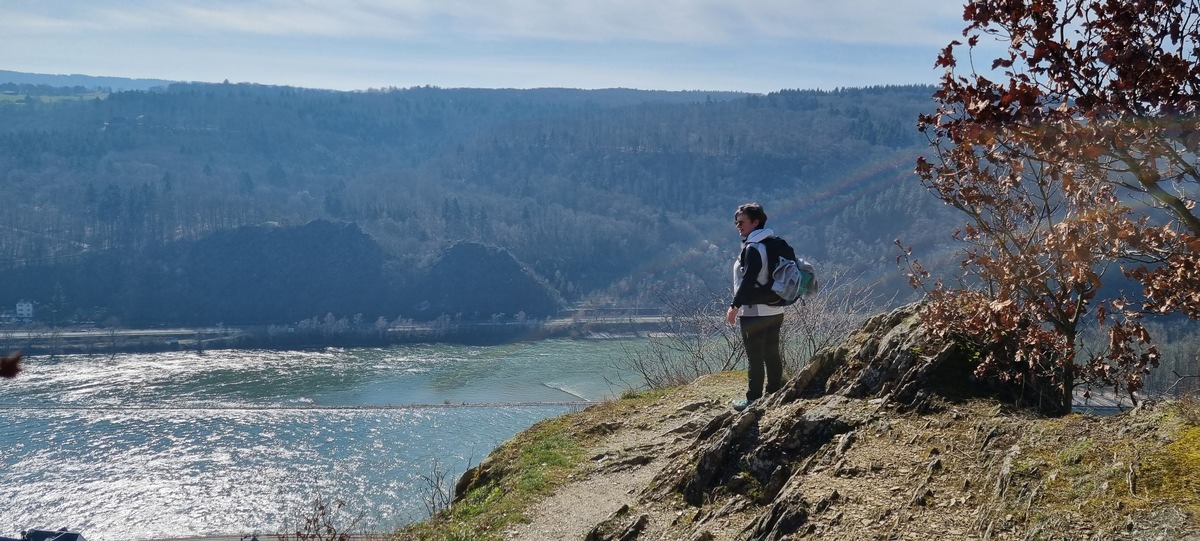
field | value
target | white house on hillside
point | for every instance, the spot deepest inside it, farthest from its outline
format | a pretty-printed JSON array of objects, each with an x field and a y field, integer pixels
[{"x": 24, "y": 310}]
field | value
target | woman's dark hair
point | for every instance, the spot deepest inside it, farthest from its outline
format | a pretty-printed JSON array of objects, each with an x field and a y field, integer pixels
[{"x": 753, "y": 211}]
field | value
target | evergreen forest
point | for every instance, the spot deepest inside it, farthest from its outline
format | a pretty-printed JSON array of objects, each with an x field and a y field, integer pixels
[{"x": 197, "y": 204}]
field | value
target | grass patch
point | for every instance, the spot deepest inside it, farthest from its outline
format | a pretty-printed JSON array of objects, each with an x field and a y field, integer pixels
[
  {"x": 1087, "y": 475},
  {"x": 1071, "y": 459},
  {"x": 523, "y": 471},
  {"x": 1074, "y": 454},
  {"x": 1188, "y": 408},
  {"x": 1133, "y": 470},
  {"x": 1173, "y": 472}
]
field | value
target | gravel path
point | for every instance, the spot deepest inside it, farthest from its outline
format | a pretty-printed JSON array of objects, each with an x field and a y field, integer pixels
[{"x": 624, "y": 462}]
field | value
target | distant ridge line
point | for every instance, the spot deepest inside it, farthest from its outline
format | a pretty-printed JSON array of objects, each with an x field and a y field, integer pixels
[{"x": 117, "y": 84}]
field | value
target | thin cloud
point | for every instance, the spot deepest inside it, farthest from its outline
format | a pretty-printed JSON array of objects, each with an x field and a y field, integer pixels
[
  {"x": 663, "y": 21},
  {"x": 755, "y": 46}
]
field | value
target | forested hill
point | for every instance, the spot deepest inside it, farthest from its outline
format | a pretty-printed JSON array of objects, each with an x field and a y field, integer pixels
[
  {"x": 39, "y": 84},
  {"x": 599, "y": 196}
]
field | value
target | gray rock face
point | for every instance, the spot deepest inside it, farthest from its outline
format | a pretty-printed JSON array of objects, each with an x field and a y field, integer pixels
[
  {"x": 764, "y": 452},
  {"x": 874, "y": 435}
]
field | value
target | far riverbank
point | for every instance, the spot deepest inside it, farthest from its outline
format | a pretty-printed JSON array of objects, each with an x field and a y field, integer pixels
[{"x": 92, "y": 340}]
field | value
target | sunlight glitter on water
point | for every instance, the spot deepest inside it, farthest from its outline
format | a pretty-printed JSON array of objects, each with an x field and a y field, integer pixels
[
  {"x": 180, "y": 444},
  {"x": 155, "y": 473}
]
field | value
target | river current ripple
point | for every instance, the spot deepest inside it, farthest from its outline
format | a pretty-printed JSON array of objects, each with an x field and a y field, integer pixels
[{"x": 146, "y": 446}]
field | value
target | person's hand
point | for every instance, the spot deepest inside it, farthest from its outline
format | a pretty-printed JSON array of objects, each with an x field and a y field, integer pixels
[{"x": 731, "y": 315}]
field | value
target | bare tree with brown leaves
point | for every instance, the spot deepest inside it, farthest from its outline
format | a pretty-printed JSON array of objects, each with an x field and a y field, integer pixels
[{"x": 1074, "y": 157}]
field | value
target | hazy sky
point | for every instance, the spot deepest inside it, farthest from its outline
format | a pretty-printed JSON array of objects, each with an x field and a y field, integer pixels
[{"x": 745, "y": 45}]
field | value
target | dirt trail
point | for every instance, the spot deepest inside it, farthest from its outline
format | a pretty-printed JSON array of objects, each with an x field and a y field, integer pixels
[{"x": 625, "y": 461}]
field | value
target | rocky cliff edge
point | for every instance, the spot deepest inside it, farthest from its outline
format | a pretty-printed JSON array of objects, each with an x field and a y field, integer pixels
[{"x": 883, "y": 437}]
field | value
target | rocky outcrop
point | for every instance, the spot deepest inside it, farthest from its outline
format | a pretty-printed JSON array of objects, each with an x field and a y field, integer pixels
[
  {"x": 763, "y": 453},
  {"x": 893, "y": 357},
  {"x": 619, "y": 526},
  {"x": 885, "y": 436}
]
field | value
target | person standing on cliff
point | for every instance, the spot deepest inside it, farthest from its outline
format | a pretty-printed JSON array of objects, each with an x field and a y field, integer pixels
[{"x": 760, "y": 323}]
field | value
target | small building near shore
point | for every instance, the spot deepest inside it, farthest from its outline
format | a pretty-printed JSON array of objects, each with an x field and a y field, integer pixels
[{"x": 24, "y": 311}]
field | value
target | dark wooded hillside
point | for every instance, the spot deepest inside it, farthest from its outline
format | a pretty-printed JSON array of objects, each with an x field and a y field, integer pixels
[{"x": 599, "y": 196}]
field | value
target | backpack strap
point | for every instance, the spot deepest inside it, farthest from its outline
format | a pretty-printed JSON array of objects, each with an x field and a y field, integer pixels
[{"x": 764, "y": 275}]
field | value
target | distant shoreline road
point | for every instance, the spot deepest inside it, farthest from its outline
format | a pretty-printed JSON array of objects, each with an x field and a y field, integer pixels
[
  {"x": 95, "y": 333},
  {"x": 66, "y": 341},
  {"x": 46, "y": 341}
]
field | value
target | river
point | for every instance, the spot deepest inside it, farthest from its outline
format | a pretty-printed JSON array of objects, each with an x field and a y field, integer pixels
[{"x": 227, "y": 442}]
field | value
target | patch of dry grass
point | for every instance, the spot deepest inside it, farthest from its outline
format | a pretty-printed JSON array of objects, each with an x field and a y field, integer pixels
[{"x": 527, "y": 468}]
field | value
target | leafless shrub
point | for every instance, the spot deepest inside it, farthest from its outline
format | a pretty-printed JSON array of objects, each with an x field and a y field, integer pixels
[
  {"x": 324, "y": 521},
  {"x": 436, "y": 492},
  {"x": 695, "y": 339},
  {"x": 825, "y": 319}
]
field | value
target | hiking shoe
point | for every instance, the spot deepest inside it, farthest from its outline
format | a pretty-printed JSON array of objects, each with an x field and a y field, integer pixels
[{"x": 741, "y": 404}]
